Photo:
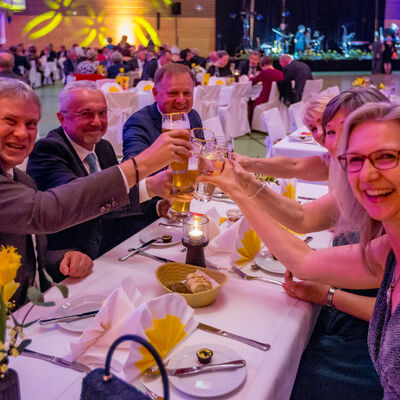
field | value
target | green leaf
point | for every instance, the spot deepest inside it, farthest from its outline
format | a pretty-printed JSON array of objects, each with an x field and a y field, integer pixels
[
  {"x": 44, "y": 303},
  {"x": 24, "y": 344},
  {"x": 16, "y": 323},
  {"x": 35, "y": 295},
  {"x": 28, "y": 324},
  {"x": 48, "y": 277},
  {"x": 63, "y": 289}
]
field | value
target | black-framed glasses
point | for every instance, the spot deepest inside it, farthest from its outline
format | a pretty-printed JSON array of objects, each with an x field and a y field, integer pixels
[
  {"x": 89, "y": 114},
  {"x": 380, "y": 159}
]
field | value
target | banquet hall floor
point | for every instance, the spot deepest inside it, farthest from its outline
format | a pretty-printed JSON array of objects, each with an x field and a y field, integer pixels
[{"x": 251, "y": 145}]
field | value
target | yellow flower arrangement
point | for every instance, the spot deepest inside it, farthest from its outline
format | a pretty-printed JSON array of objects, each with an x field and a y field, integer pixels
[
  {"x": 10, "y": 262},
  {"x": 361, "y": 82}
]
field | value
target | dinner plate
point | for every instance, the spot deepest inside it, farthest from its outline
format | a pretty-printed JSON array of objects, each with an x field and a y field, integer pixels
[
  {"x": 301, "y": 138},
  {"x": 78, "y": 306},
  {"x": 266, "y": 262},
  {"x": 158, "y": 232},
  {"x": 207, "y": 384}
]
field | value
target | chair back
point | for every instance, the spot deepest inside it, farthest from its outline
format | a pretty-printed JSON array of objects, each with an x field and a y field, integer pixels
[
  {"x": 214, "y": 80},
  {"x": 331, "y": 91},
  {"x": 311, "y": 88},
  {"x": 142, "y": 85},
  {"x": 273, "y": 124},
  {"x": 206, "y": 101},
  {"x": 296, "y": 113},
  {"x": 243, "y": 79},
  {"x": 215, "y": 125}
]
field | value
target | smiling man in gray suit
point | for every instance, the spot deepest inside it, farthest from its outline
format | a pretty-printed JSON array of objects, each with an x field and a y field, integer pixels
[{"x": 24, "y": 211}]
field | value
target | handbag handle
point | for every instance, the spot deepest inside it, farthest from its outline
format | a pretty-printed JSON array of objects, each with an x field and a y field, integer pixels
[{"x": 107, "y": 375}]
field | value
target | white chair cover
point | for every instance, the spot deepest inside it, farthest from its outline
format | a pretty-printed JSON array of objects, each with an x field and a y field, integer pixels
[
  {"x": 243, "y": 78},
  {"x": 206, "y": 101},
  {"x": 121, "y": 106},
  {"x": 105, "y": 87},
  {"x": 35, "y": 77},
  {"x": 214, "y": 124},
  {"x": 332, "y": 91},
  {"x": 100, "y": 82},
  {"x": 273, "y": 124},
  {"x": 142, "y": 84},
  {"x": 311, "y": 88},
  {"x": 234, "y": 117},
  {"x": 273, "y": 101},
  {"x": 296, "y": 113}
]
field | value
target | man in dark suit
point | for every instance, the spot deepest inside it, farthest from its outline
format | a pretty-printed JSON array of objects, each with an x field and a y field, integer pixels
[
  {"x": 250, "y": 67},
  {"x": 293, "y": 70},
  {"x": 151, "y": 67},
  {"x": 64, "y": 155},
  {"x": 24, "y": 211},
  {"x": 70, "y": 64},
  {"x": 173, "y": 92}
]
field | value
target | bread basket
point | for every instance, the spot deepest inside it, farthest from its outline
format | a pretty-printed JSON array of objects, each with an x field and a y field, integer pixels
[{"x": 175, "y": 272}]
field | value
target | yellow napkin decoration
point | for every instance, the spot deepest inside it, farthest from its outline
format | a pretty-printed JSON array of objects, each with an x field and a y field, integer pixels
[
  {"x": 251, "y": 246},
  {"x": 222, "y": 220},
  {"x": 164, "y": 335},
  {"x": 206, "y": 79},
  {"x": 147, "y": 88},
  {"x": 219, "y": 82},
  {"x": 113, "y": 89},
  {"x": 290, "y": 191}
]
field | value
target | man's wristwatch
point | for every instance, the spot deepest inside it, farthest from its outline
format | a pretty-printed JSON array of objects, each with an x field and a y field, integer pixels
[{"x": 329, "y": 297}]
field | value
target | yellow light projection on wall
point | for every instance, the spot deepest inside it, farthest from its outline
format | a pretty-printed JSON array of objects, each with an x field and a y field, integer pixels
[
  {"x": 59, "y": 9},
  {"x": 94, "y": 28},
  {"x": 15, "y": 5},
  {"x": 141, "y": 36}
]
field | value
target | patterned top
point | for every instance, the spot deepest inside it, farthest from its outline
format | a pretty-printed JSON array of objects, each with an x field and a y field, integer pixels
[
  {"x": 384, "y": 336},
  {"x": 86, "y": 67}
]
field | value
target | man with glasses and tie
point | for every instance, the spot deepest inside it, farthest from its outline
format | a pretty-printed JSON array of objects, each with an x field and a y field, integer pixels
[{"x": 76, "y": 149}]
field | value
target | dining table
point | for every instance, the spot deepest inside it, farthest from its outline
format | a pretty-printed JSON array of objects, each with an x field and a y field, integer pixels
[
  {"x": 294, "y": 146},
  {"x": 253, "y": 309}
]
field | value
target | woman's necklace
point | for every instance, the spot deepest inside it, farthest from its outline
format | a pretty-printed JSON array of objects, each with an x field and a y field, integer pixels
[{"x": 393, "y": 284}]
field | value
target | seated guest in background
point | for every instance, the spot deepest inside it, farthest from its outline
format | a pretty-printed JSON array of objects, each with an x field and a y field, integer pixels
[
  {"x": 212, "y": 59},
  {"x": 109, "y": 44},
  {"x": 186, "y": 56},
  {"x": 88, "y": 66},
  {"x": 196, "y": 59},
  {"x": 21, "y": 62},
  {"x": 293, "y": 70},
  {"x": 76, "y": 149},
  {"x": 141, "y": 55},
  {"x": 6, "y": 66},
  {"x": 49, "y": 53},
  {"x": 62, "y": 53},
  {"x": 173, "y": 92},
  {"x": 222, "y": 67},
  {"x": 268, "y": 75},
  {"x": 152, "y": 66},
  {"x": 252, "y": 66},
  {"x": 70, "y": 65},
  {"x": 116, "y": 64},
  {"x": 24, "y": 211}
]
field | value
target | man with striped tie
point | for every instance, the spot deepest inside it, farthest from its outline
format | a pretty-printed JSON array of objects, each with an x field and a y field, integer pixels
[{"x": 76, "y": 149}]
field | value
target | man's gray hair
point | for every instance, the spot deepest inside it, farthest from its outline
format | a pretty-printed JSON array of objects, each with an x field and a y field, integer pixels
[
  {"x": 172, "y": 69},
  {"x": 7, "y": 60},
  {"x": 72, "y": 87},
  {"x": 116, "y": 58},
  {"x": 14, "y": 88},
  {"x": 353, "y": 217}
]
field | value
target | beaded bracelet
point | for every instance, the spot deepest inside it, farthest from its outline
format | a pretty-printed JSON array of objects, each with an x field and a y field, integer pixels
[
  {"x": 258, "y": 191},
  {"x": 136, "y": 171}
]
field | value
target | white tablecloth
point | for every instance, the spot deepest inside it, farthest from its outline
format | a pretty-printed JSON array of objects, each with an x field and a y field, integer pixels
[
  {"x": 254, "y": 309},
  {"x": 289, "y": 148}
]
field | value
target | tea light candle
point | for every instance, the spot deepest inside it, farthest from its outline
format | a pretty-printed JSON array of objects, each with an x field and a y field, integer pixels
[{"x": 196, "y": 235}]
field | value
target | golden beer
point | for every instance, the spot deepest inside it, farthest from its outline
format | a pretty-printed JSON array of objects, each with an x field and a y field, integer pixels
[{"x": 183, "y": 207}]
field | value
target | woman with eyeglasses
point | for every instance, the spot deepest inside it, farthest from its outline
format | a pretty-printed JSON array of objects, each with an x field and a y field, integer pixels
[{"x": 366, "y": 184}]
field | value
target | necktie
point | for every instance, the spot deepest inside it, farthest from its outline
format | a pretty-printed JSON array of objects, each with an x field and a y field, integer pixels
[{"x": 91, "y": 160}]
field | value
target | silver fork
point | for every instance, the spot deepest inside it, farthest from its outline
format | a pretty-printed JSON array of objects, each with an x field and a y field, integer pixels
[
  {"x": 144, "y": 389},
  {"x": 246, "y": 277}
]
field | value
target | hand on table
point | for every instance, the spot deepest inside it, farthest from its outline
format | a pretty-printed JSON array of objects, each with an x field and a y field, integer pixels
[
  {"x": 76, "y": 264},
  {"x": 305, "y": 290}
]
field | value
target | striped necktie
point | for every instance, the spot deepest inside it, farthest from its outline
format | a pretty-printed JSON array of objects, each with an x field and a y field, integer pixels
[{"x": 91, "y": 160}]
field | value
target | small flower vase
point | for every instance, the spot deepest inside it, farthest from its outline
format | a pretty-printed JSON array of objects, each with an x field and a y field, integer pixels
[{"x": 9, "y": 386}]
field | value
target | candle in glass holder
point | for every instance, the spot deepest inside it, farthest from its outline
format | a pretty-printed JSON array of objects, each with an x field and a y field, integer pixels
[{"x": 195, "y": 238}]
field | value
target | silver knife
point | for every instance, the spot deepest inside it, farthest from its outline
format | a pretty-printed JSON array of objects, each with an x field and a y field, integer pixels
[
  {"x": 197, "y": 369},
  {"x": 250, "y": 342},
  {"x": 135, "y": 251},
  {"x": 68, "y": 318},
  {"x": 57, "y": 360},
  {"x": 158, "y": 258}
]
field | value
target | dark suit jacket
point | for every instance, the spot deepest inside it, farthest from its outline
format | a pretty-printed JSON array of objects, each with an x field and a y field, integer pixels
[
  {"x": 299, "y": 72},
  {"x": 143, "y": 128},
  {"x": 54, "y": 162},
  {"x": 24, "y": 245},
  {"x": 149, "y": 69},
  {"x": 68, "y": 67},
  {"x": 244, "y": 67}
]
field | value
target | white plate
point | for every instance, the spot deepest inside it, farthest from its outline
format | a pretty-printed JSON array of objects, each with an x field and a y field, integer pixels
[
  {"x": 301, "y": 138},
  {"x": 208, "y": 384},
  {"x": 267, "y": 263},
  {"x": 78, "y": 306},
  {"x": 158, "y": 232}
]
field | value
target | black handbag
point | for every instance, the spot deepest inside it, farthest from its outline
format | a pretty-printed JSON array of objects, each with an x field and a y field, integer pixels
[{"x": 101, "y": 385}]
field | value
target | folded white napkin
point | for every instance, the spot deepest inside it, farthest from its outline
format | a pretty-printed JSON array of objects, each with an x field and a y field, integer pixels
[{"x": 125, "y": 311}]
